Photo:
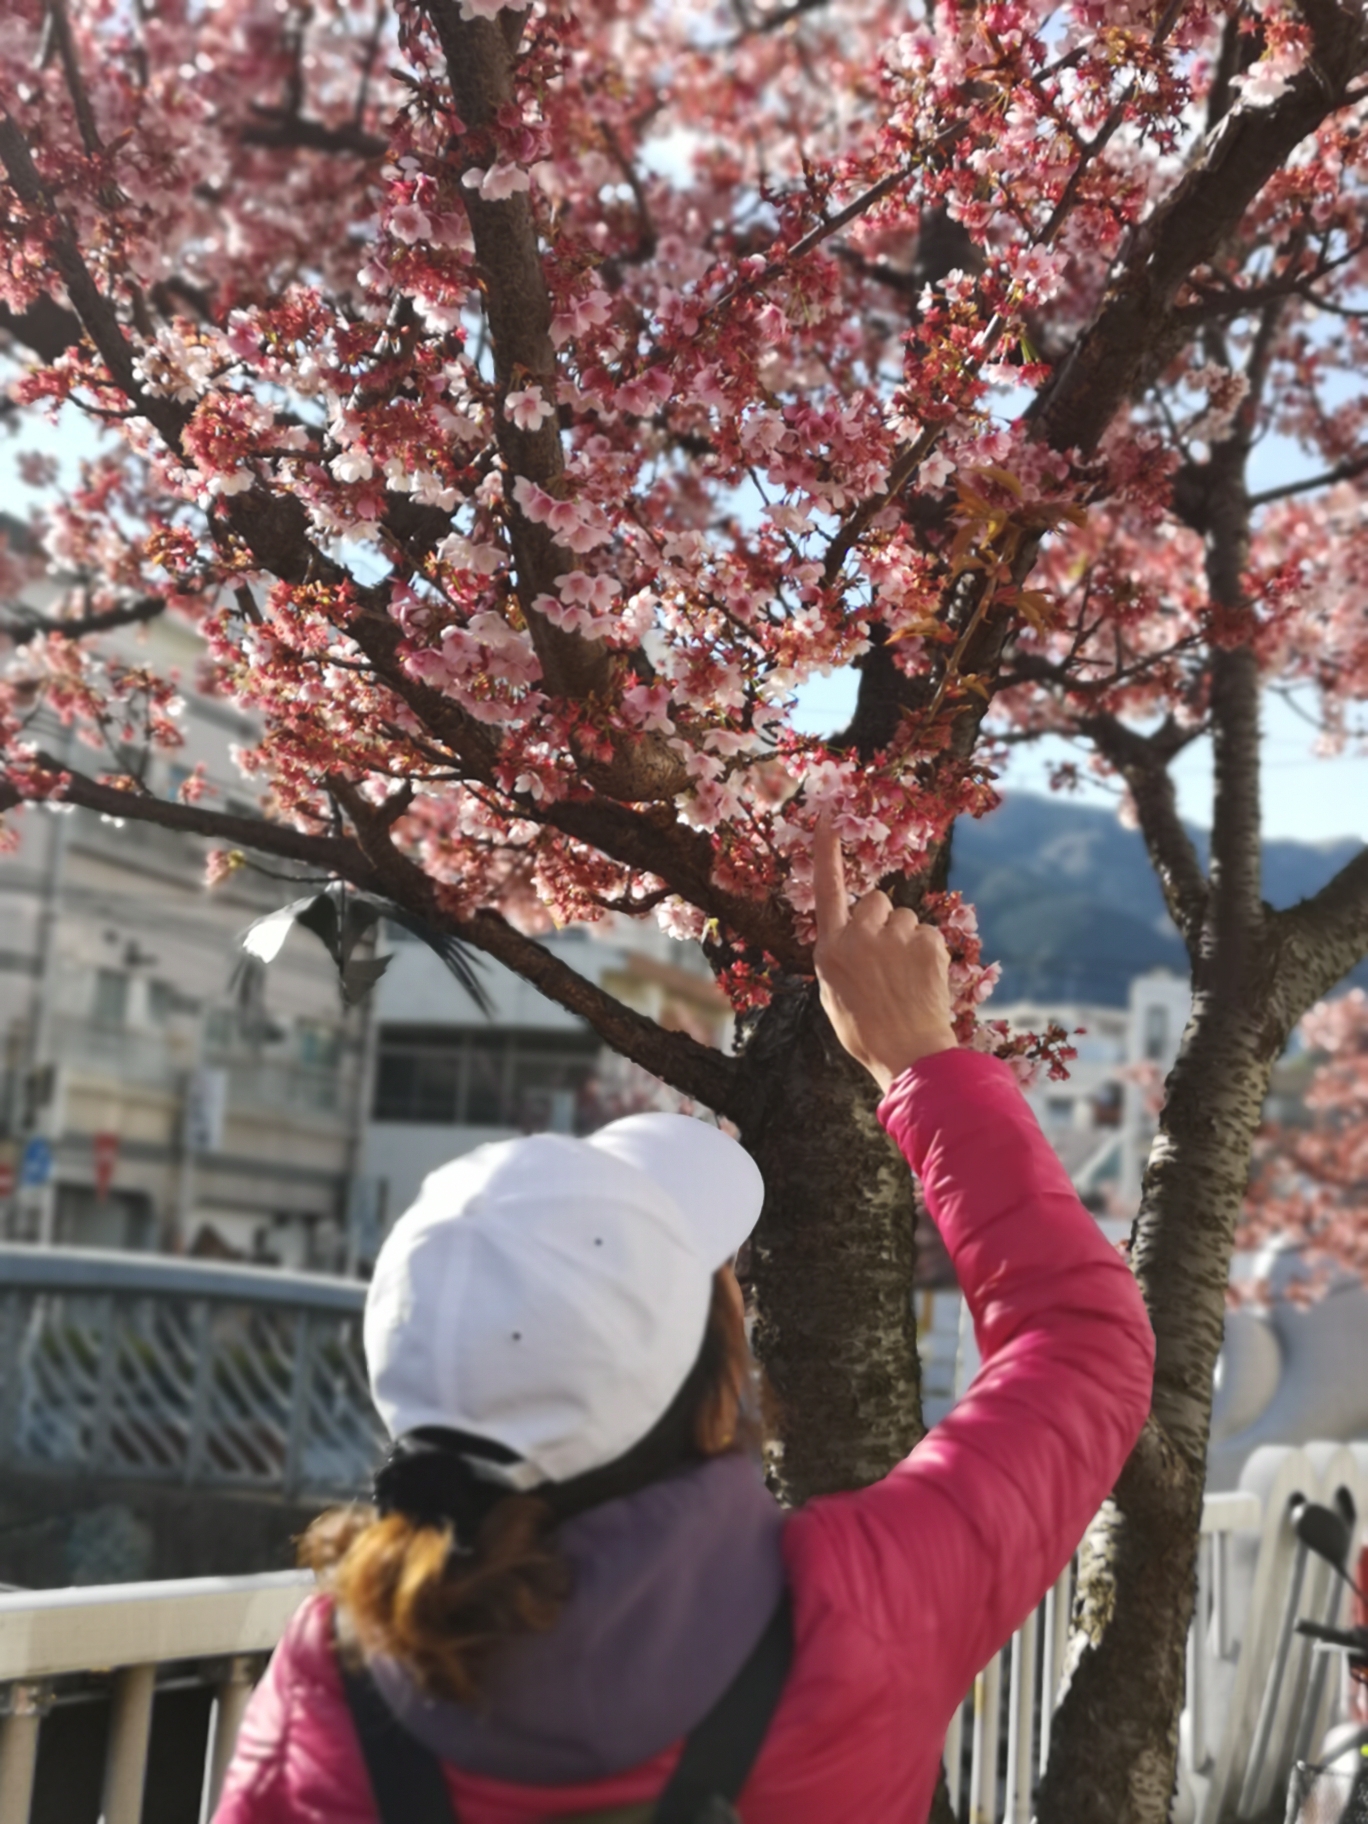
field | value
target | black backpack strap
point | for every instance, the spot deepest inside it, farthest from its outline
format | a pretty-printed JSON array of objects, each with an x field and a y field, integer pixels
[
  {"x": 406, "y": 1777},
  {"x": 720, "y": 1752},
  {"x": 409, "y": 1786}
]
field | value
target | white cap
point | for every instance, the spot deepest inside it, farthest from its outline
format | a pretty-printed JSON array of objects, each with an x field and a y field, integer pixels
[{"x": 551, "y": 1294}]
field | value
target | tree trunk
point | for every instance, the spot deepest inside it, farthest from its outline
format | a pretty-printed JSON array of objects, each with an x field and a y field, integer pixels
[
  {"x": 831, "y": 1263},
  {"x": 832, "y": 1260},
  {"x": 1114, "y": 1745}
]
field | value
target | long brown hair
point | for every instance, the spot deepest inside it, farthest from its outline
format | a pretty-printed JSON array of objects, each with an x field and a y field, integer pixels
[{"x": 403, "y": 1591}]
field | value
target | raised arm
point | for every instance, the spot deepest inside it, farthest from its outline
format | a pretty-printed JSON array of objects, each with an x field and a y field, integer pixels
[{"x": 952, "y": 1550}]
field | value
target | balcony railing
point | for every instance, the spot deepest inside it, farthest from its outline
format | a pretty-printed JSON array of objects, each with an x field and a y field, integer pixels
[
  {"x": 1255, "y": 1690},
  {"x": 162, "y": 1061},
  {"x": 131, "y": 1365}
]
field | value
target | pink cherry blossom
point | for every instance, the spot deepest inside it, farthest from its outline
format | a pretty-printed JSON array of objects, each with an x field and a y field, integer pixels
[
  {"x": 497, "y": 182},
  {"x": 528, "y": 408}
]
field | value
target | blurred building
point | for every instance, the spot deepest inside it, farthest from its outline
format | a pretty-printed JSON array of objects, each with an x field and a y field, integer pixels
[
  {"x": 153, "y": 1092},
  {"x": 1101, "y": 1121},
  {"x": 446, "y": 1079}
]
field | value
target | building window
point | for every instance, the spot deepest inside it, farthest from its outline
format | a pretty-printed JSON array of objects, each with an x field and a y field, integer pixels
[
  {"x": 1156, "y": 1033},
  {"x": 483, "y": 1077},
  {"x": 111, "y": 998},
  {"x": 162, "y": 1002},
  {"x": 320, "y": 1044}
]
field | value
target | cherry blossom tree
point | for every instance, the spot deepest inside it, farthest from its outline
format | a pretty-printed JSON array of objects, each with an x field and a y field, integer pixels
[
  {"x": 1310, "y": 1182},
  {"x": 524, "y": 401}
]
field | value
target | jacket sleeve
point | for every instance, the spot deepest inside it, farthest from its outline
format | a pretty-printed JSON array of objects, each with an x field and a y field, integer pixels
[
  {"x": 296, "y": 1759},
  {"x": 954, "y": 1548}
]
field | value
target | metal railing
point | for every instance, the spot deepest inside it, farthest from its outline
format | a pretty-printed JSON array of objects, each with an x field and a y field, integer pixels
[
  {"x": 130, "y": 1631},
  {"x": 1262, "y": 1694},
  {"x": 201, "y": 1374},
  {"x": 146, "y": 1637},
  {"x": 1020, "y": 1687}
]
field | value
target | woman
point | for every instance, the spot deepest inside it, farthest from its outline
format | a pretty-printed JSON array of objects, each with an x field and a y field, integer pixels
[{"x": 575, "y": 1562}]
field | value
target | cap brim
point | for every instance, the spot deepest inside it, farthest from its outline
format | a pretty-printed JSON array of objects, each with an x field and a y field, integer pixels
[{"x": 711, "y": 1177}]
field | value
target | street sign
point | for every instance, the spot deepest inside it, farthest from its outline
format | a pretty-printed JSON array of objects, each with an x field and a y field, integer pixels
[
  {"x": 206, "y": 1102},
  {"x": 36, "y": 1167},
  {"x": 105, "y": 1149}
]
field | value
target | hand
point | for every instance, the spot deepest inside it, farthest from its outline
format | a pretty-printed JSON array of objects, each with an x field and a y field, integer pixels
[{"x": 884, "y": 976}]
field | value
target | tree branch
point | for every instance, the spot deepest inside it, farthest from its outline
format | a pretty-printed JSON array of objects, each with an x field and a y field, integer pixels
[
  {"x": 1321, "y": 939},
  {"x": 1342, "y": 471},
  {"x": 29, "y": 626},
  {"x": 92, "y": 307},
  {"x": 54, "y": 782},
  {"x": 279, "y": 128},
  {"x": 46, "y": 327},
  {"x": 693, "y": 1069},
  {"x": 1135, "y": 325},
  {"x": 60, "y": 26},
  {"x": 517, "y": 306},
  {"x": 1143, "y": 761},
  {"x": 697, "y": 1070}
]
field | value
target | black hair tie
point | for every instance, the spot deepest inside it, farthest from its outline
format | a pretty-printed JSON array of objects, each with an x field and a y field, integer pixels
[{"x": 431, "y": 1477}]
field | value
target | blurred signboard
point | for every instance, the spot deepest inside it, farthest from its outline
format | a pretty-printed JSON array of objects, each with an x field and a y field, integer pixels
[{"x": 206, "y": 1103}]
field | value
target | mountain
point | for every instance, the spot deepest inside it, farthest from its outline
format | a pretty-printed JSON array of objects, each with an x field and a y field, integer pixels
[{"x": 1069, "y": 905}]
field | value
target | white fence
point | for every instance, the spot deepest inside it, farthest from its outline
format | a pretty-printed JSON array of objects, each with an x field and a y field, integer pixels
[
  {"x": 1257, "y": 1692},
  {"x": 130, "y": 1630}
]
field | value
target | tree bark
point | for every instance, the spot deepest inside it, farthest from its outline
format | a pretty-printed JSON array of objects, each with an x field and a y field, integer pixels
[
  {"x": 1138, "y": 1570},
  {"x": 1114, "y": 1744},
  {"x": 832, "y": 1259}
]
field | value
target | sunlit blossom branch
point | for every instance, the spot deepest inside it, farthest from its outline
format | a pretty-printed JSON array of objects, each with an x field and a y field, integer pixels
[
  {"x": 1112, "y": 356},
  {"x": 95, "y": 311}
]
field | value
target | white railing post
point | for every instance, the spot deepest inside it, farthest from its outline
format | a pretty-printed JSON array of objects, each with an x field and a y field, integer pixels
[
  {"x": 954, "y": 1758},
  {"x": 23, "y": 1709},
  {"x": 230, "y": 1701},
  {"x": 1056, "y": 1618},
  {"x": 987, "y": 1727},
  {"x": 1198, "y": 1647},
  {"x": 1021, "y": 1721},
  {"x": 130, "y": 1722}
]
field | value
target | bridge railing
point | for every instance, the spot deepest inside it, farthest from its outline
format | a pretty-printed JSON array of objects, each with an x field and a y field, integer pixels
[{"x": 183, "y": 1371}]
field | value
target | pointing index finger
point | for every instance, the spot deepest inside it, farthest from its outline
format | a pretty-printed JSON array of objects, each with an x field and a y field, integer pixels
[{"x": 828, "y": 878}]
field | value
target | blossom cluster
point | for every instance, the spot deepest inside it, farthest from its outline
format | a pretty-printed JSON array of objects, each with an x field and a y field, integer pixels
[{"x": 766, "y": 420}]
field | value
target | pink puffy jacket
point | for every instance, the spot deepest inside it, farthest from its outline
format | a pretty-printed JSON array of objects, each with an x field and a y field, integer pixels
[{"x": 902, "y": 1591}]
